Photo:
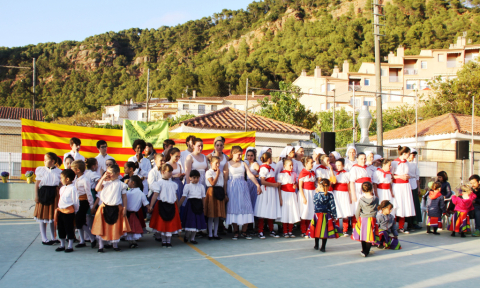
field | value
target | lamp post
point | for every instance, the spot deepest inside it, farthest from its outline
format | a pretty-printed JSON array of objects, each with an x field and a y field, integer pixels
[{"x": 333, "y": 130}]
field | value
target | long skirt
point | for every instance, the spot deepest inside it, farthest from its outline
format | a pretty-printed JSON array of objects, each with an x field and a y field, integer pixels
[
  {"x": 322, "y": 226},
  {"x": 214, "y": 207},
  {"x": 109, "y": 232},
  {"x": 239, "y": 206},
  {"x": 387, "y": 241},
  {"x": 290, "y": 211},
  {"x": 135, "y": 227},
  {"x": 268, "y": 204},
  {"x": 460, "y": 222},
  {"x": 45, "y": 213},
  {"x": 159, "y": 225},
  {"x": 252, "y": 188},
  {"x": 342, "y": 204},
  {"x": 366, "y": 230},
  {"x": 435, "y": 222},
  {"x": 404, "y": 199},
  {"x": 416, "y": 203},
  {"x": 191, "y": 221},
  {"x": 306, "y": 210},
  {"x": 384, "y": 194}
]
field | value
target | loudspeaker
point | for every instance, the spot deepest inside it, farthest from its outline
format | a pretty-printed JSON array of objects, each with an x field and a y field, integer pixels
[
  {"x": 461, "y": 150},
  {"x": 328, "y": 142}
]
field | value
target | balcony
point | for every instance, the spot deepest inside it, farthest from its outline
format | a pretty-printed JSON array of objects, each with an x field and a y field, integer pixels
[
  {"x": 410, "y": 72},
  {"x": 393, "y": 79},
  {"x": 357, "y": 87}
]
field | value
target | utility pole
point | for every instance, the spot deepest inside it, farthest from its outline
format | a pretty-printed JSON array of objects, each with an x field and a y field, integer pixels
[
  {"x": 353, "y": 119},
  {"x": 34, "y": 82},
  {"x": 148, "y": 83},
  {"x": 378, "y": 73},
  {"x": 333, "y": 128},
  {"x": 246, "y": 105}
]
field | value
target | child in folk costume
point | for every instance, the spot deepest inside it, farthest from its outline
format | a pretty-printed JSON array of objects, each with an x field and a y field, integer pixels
[
  {"x": 288, "y": 200},
  {"x": 402, "y": 191},
  {"x": 111, "y": 221},
  {"x": 193, "y": 219},
  {"x": 435, "y": 208},
  {"x": 67, "y": 162},
  {"x": 325, "y": 170},
  {"x": 250, "y": 156},
  {"x": 165, "y": 213},
  {"x": 298, "y": 159},
  {"x": 288, "y": 153},
  {"x": 343, "y": 199},
  {"x": 386, "y": 226},
  {"x": 65, "y": 213},
  {"x": 358, "y": 175},
  {"x": 463, "y": 202},
  {"x": 323, "y": 223},
  {"x": 82, "y": 185},
  {"x": 92, "y": 175},
  {"x": 46, "y": 196},
  {"x": 59, "y": 163},
  {"x": 144, "y": 165},
  {"x": 215, "y": 198},
  {"x": 263, "y": 151},
  {"x": 129, "y": 169},
  {"x": 382, "y": 181},
  {"x": 306, "y": 184},
  {"x": 268, "y": 205},
  {"x": 136, "y": 198},
  {"x": 366, "y": 228},
  {"x": 178, "y": 173}
]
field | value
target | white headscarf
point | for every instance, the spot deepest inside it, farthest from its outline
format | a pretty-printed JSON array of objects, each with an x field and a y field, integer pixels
[
  {"x": 262, "y": 151},
  {"x": 368, "y": 153},
  {"x": 318, "y": 150},
  {"x": 377, "y": 157},
  {"x": 412, "y": 150},
  {"x": 286, "y": 151},
  {"x": 336, "y": 154},
  {"x": 297, "y": 148}
]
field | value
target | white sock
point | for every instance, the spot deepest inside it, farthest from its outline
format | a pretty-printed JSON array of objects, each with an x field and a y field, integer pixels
[
  {"x": 43, "y": 231},
  {"x": 168, "y": 239},
  {"x": 82, "y": 237},
  {"x": 100, "y": 243},
  {"x": 210, "y": 226},
  {"x": 115, "y": 245},
  {"x": 70, "y": 243},
  {"x": 88, "y": 234},
  {"x": 164, "y": 239},
  {"x": 192, "y": 236},
  {"x": 52, "y": 231},
  {"x": 62, "y": 243},
  {"x": 216, "y": 221}
]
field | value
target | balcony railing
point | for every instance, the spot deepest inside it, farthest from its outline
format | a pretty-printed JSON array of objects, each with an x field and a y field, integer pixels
[
  {"x": 393, "y": 79},
  {"x": 357, "y": 87},
  {"x": 410, "y": 72}
]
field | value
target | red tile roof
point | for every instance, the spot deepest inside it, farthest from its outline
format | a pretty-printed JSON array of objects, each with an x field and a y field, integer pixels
[
  {"x": 231, "y": 98},
  {"x": 445, "y": 124},
  {"x": 230, "y": 118},
  {"x": 17, "y": 113}
]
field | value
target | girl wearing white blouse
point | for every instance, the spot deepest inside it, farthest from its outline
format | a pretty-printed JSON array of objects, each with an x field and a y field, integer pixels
[
  {"x": 306, "y": 183},
  {"x": 136, "y": 198},
  {"x": 65, "y": 215},
  {"x": 288, "y": 201},
  {"x": 46, "y": 196},
  {"x": 215, "y": 198},
  {"x": 193, "y": 218},
  {"x": 382, "y": 182}
]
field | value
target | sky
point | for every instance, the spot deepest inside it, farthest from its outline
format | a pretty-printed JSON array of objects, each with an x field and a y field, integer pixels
[{"x": 25, "y": 22}]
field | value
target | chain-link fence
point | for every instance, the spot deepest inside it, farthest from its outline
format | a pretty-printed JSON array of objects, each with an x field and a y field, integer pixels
[{"x": 11, "y": 149}]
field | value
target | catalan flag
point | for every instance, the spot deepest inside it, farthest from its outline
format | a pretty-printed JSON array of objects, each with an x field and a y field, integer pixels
[{"x": 39, "y": 138}]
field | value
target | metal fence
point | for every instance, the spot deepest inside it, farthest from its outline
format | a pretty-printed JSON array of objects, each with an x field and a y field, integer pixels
[{"x": 11, "y": 150}]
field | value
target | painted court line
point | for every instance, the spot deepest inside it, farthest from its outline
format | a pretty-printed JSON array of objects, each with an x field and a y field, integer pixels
[
  {"x": 436, "y": 247},
  {"x": 221, "y": 266}
]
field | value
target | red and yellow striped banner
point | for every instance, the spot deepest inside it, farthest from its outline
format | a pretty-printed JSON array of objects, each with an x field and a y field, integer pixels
[{"x": 39, "y": 138}]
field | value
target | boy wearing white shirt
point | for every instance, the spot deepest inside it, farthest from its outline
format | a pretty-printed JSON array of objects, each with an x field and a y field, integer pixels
[
  {"x": 102, "y": 156},
  {"x": 75, "y": 153},
  {"x": 67, "y": 206}
]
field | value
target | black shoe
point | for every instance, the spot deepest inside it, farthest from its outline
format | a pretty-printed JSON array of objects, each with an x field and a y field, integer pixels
[
  {"x": 429, "y": 232},
  {"x": 81, "y": 245},
  {"x": 185, "y": 239},
  {"x": 436, "y": 233},
  {"x": 60, "y": 249},
  {"x": 322, "y": 250},
  {"x": 453, "y": 234},
  {"x": 108, "y": 246},
  {"x": 88, "y": 241},
  {"x": 68, "y": 250},
  {"x": 194, "y": 242},
  {"x": 100, "y": 251},
  {"x": 117, "y": 249},
  {"x": 94, "y": 244},
  {"x": 122, "y": 239},
  {"x": 462, "y": 235},
  {"x": 315, "y": 247},
  {"x": 164, "y": 245},
  {"x": 169, "y": 245},
  {"x": 217, "y": 238},
  {"x": 49, "y": 243},
  {"x": 133, "y": 245}
]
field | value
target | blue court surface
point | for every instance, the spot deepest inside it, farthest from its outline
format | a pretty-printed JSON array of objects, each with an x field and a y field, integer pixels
[{"x": 424, "y": 261}]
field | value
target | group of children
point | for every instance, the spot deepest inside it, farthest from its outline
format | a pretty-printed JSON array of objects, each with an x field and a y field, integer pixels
[{"x": 178, "y": 192}]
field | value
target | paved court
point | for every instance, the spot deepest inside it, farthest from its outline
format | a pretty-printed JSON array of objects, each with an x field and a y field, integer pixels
[{"x": 424, "y": 261}]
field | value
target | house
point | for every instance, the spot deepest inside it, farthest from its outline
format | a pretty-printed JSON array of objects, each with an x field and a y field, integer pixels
[
  {"x": 201, "y": 105},
  {"x": 400, "y": 75},
  {"x": 158, "y": 109},
  {"x": 437, "y": 139},
  {"x": 11, "y": 137},
  {"x": 269, "y": 132}
]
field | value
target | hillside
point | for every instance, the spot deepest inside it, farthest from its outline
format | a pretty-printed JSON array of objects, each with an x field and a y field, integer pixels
[{"x": 270, "y": 41}]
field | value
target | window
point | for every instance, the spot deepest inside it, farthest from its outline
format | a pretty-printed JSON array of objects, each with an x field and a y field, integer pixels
[
  {"x": 330, "y": 87},
  {"x": 214, "y": 108},
  {"x": 358, "y": 102},
  {"x": 382, "y": 72},
  {"x": 185, "y": 106},
  {"x": 201, "y": 109},
  {"x": 323, "y": 88},
  {"x": 322, "y": 107},
  {"x": 411, "y": 84},
  {"x": 366, "y": 82},
  {"x": 310, "y": 91},
  {"x": 369, "y": 101},
  {"x": 329, "y": 105},
  {"x": 424, "y": 84},
  {"x": 144, "y": 115},
  {"x": 423, "y": 64},
  {"x": 239, "y": 107},
  {"x": 441, "y": 57}
]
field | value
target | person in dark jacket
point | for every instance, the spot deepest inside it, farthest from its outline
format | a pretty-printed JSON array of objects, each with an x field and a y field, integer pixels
[
  {"x": 435, "y": 208},
  {"x": 475, "y": 183}
]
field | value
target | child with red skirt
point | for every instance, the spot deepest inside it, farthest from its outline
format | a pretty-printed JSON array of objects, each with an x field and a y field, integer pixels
[
  {"x": 136, "y": 198},
  {"x": 435, "y": 208},
  {"x": 165, "y": 215},
  {"x": 463, "y": 204}
]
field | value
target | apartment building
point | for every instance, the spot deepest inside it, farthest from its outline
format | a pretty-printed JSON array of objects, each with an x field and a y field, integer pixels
[{"x": 402, "y": 77}]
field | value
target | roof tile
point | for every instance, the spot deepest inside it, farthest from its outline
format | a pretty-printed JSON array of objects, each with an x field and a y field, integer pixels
[{"x": 18, "y": 113}]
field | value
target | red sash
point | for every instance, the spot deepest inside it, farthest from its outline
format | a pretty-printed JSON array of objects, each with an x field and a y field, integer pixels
[
  {"x": 340, "y": 187},
  {"x": 363, "y": 179},
  {"x": 400, "y": 181},
  {"x": 269, "y": 180},
  {"x": 384, "y": 186},
  {"x": 400, "y": 161},
  {"x": 309, "y": 185},
  {"x": 287, "y": 188},
  {"x": 266, "y": 166}
]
